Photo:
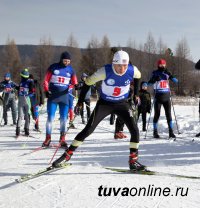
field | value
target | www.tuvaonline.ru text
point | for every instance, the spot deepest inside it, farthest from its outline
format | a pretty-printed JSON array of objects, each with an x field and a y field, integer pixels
[{"x": 150, "y": 190}]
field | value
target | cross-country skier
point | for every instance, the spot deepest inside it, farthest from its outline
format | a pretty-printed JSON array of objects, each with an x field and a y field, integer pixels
[
  {"x": 9, "y": 88},
  {"x": 145, "y": 103},
  {"x": 116, "y": 79},
  {"x": 36, "y": 100},
  {"x": 160, "y": 80},
  {"x": 56, "y": 85},
  {"x": 24, "y": 105},
  {"x": 87, "y": 98}
]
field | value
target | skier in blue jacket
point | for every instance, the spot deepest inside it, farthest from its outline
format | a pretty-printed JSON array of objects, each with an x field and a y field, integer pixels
[
  {"x": 114, "y": 95},
  {"x": 8, "y": 87},
  {"x": 57, "y": 83},
  {"x": 160, "y": 81}
]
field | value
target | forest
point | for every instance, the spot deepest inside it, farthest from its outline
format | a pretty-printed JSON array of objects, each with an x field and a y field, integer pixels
[{"x": 37, "y": 58}]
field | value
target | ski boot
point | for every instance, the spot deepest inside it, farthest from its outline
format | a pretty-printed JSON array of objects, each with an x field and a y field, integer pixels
[
  {"x": 134, "y": 165},
  {"x": 17, "y": 131},
  {"x": 171, "y": 134},
  {"x": 47, "y": 141},
  {"x": 26, "y": 130},
  {"x": 62, "y": 140},
  {"x": 155, "y": 134},
  {"x": 120, "y": 135},
  {"x": 5, "y": 123},
  {"x": 66, "y": 156}
]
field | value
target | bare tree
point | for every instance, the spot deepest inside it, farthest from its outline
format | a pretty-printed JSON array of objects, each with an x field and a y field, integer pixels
[
  {"x": 91, "y": 58},
  {"x": 161, "y": 47},
  {"x": 105, "y": 50},
  {"x": 150, "y": 49},
  {"x": 182, "y": 64},
  {"x": 72, "y": 42},
  {"x": 11, "y": 61},
  {"x": 44, "y": 55},
  {"x": 75, "y": 51}
]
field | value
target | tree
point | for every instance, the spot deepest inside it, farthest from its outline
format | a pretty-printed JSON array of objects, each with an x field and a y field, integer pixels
[
  {"x": 90, "y": 61},
  {"x": 105, "y": 50},
  {"x": 75, "y": 51},
  {"x": 44, "y": 55},
  {"x": 182, "y": 64},
  {"x": 11, "y": 61},
  {"x": 150, "y": 49}
]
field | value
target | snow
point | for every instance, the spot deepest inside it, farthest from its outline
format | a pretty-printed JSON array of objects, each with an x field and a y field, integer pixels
[{"x": 79, "y": 185}]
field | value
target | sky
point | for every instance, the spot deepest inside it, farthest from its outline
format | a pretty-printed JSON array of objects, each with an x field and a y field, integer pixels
[{"x": 171, "y": 20}]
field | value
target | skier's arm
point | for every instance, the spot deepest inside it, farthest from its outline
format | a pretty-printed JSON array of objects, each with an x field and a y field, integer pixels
[
  {"x": 2, "y": 86},
  {"x": 46, "y": 80},
  {"x": 171, "y": 77},
  {"x": 152, "y": 80},
  {"x": 137, "y": 77},
  {"x": 99, "y": 75},
  {"x": 91, "y": 80}
]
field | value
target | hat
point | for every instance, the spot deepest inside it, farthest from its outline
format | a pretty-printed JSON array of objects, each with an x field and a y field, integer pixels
[
  {"x": 25, "y": 73},
  {"x": 8, "y": 75},
  {"x": 121, "y": 57},
  {"x": 84, "y": 75},
  {"x": 65, "y": 55},
  {"x": 144, "y": 84},
  {"x": 161, "y": 62}
]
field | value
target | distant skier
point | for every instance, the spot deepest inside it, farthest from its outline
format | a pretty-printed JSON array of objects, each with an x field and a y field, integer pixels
[
  {"x": 197, "y": 66},
  {"x": 145, "y": 103},
  {"x": 87, "y": 98},
  {"x": 56, "y": 86},
  {"x": 160, "y": 80},
  {"x": 9, "y": 88},
  {"x": 25, "y": 92},
  {"x": 116, "y": 79}
]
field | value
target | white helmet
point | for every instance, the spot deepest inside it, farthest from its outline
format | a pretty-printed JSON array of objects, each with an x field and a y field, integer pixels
[{"x": 121, "y": 57}]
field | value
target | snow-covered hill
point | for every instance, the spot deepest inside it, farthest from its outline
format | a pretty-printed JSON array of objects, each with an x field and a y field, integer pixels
[{"x": 87, "y": 184}]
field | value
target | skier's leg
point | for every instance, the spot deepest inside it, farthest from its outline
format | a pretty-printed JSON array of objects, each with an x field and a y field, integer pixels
[
  {"x": 99, "y": 113},
  {"x": 157, "y": 107},
  {"x": 126, "y": 114},
  {"x": 14, "y": 110},
  {"x": 167, "y": 107}
]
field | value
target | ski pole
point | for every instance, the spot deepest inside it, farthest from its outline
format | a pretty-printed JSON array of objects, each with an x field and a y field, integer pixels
[
  {"x": 149, "y": 116},
  {"x": 174, "y": 114},
  {"x": 55, "y": 152}
]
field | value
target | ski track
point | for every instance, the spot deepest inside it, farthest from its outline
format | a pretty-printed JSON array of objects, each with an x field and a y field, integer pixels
[{"x": 77, "y": 186}]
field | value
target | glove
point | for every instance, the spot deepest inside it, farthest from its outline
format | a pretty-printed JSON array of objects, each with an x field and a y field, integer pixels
[
  {"x": 78, "y": 108},
  {"x": 48, "y": 94},
  {"x": 136, "y": 100}
]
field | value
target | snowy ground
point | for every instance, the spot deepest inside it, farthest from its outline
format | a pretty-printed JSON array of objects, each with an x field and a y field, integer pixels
[{"x": 79, "y": 185}]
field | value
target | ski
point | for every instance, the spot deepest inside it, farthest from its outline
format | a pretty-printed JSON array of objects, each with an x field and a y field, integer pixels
[
  {"x": 149, "y": 172},
  {"x": 45, "y": 171}
]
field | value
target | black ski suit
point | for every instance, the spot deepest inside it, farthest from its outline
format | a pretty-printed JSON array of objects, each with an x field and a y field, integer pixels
[
  {"x": 145, "y": 106},
  {"x": 9, "y": 88}
]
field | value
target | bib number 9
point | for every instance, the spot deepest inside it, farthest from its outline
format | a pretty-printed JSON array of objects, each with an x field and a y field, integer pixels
[{"x": 117, "y": 91}]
